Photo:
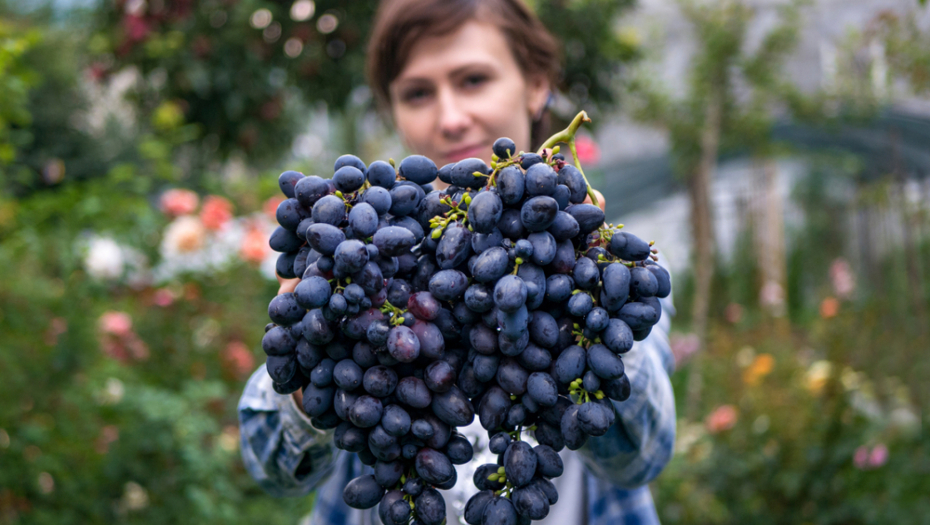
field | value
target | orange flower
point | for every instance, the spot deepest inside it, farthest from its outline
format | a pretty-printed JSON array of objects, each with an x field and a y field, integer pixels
[
  {"x": 829, "y": 307},
  {"x": 216, "y": 212},
  {"x": 722, "y": 418},
  {"x": 270, "y": 208},
  {"x": 254, "y": 246},
  {"x": 760, "y": 367},
  {"x": 178, "y": 202}
]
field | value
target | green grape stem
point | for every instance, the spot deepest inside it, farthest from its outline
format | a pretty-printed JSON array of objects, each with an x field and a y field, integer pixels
[{"x": 567, "y": 136}]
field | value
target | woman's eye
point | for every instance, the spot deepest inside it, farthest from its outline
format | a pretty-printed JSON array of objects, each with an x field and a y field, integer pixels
[
  {"x": 474, "y": 80},
  {"x": 415, "y": 95}
]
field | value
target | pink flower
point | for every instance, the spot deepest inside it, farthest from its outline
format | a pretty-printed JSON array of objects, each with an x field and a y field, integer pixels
[
  {"x": 216, "y": 212},
  {"x": 178, "y": 202},
  {"x": 722, "y": 418},
  {"x": 238, "y": 359},
  {"x": 116, "y": 323},
  {"x": 733, "y": 313},
  {"x": 878, "y": 456},
  {"x": 684, "y": 346},
  {"x": 254, "y": 246},
  {"x": 136, "y": 28},
  {"x": 163, "y": 297},
  {"x": 588, "y": 150},
  {"x": 842, "y": 278},
  {"x": 861, "y": 458}
]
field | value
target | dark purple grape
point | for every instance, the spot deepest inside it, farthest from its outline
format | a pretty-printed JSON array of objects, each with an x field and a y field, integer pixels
[
  {"x": 571, "y": 177},
  {"x": 403, "y": 344},
  {"x": 413, "y": 392},
  {"x": 395, "y": 420},
  {"x": 538, "y": 213},
  {"x": 535, "y": 358},
  {"x": 586, "y": 274},
  {"x": 520, "y": 463},
  {"x": 604, "y": 363},
  {"x": 290, "y": 213},
  {"x": 540, "y": 180},
  {"x": 349, "y": 437},
  {"x": 548, "y": 462},
  {"x": 629, "y": 247},
  {"x": 365, "y": 412},
  {"x": 491, "y": 265},
  {"x": 313, "y": 292},
  {"x": 580, "y": 304},
  {"x": 569, "y": 365},
  {"x": 542, "y": 388},
  {"x": 281, "y": 368},
  {"x": 493, "y": 407},
  {"x": 283, "y": 240},
  {"x": 617, "y": 389},
  {"x": 474, "y": 509},
  {"x": 530, "y": 502},
  {"x": 439, "y": 376},
  {"x": 424, "y": 306},
  {"x": 348, "y": 179},
  {"x": 432, "y": 343},
  {"x": 454, "y": 247},
  {"x": 530, "y": 159},
  {"x": 287, "y": 181},
  {"x": 317, "y": 400},
  {"x": 593, "y": 419},
  {"x": 504, "y": 148},
  {"x": 329, "y": 210},
  {"x": 325, "y": 238},
  {"x": 463, "y": 171},
  {"x": 479, "y": 298},
  {"x": 544, "y": 246},
  {"x": 418, "y": 169},
  {"x": 316, "y": 328},
  {"x": 393, "y": 241},
  {"x": 434, "y": 466},
  {"x": 309, "y": 190},
  {"x": 349, "y": 160},
  {"x": 460, "y": 450},
  {"x": 278, "y": 341},
  {"x": 380, "y": 381},
  {"x": 362, "y": 492},
  {"x": 511, "y": 185},
  {"x": 663, "y": 280},
  {"x": 589, "y": 217},
  {"x": 285, "y": 310},
  {"x": 381, "y": 174},
  {"x": 484, "y": 212},
  {"x": 638, "y": 316},
  {"x": 481, "y": 480},
  {"x": 404, "y": 199},
  {"x": 453, "y": 407},
  {"x": 510, "y": 293},
  {"x": 429, "y": 506},
  {"x": 363, "y": 219},
  {"x": 549, "y": 435},
  {"x": 572, "y": 433},
  {"x": 347, "y": 375},
  {"x": 448, "y": 285},
  {"x": 414, "y": 486}
]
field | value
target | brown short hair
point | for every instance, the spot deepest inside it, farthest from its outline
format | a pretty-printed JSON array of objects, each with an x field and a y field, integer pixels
[{"x": 399, "y": 24}]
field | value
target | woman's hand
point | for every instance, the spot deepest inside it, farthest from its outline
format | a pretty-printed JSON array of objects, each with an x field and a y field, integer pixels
[
  {"x": 600, "y": 199},
  {"x": 288, "y": 285}
]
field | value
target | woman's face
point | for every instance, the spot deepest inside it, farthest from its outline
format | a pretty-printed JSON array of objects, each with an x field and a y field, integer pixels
[{"x": 460, "y": 92}]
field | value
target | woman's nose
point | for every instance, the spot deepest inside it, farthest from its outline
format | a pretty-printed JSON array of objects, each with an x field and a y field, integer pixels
[{"x": 454, "y": 120}]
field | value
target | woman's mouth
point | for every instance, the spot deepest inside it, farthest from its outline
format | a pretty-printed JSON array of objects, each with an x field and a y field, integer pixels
[{"x": 465, "y": 153}]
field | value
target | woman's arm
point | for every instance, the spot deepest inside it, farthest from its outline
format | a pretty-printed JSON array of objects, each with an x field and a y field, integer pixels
[
  {"x": 639, "y": 445},
  {"x": 280, "y": 448}
]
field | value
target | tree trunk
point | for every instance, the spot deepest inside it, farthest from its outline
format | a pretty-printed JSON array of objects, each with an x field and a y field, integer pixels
[
  {"x": 770, "y": 240},
  {"x": 702, "y": 225}
]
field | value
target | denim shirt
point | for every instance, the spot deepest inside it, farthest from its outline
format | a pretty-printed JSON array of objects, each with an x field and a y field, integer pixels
[{"x": 287, "y": 456}]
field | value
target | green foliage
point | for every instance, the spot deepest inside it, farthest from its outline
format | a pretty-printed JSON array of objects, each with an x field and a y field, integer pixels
[{"x": 16, "y": 78}]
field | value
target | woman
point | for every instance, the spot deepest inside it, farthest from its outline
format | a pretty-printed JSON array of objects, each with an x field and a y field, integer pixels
[{"x": 454, "y": 76}]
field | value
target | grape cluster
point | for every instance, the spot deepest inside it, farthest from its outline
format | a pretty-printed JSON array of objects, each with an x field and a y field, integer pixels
[{"x": 503, "y": 295}]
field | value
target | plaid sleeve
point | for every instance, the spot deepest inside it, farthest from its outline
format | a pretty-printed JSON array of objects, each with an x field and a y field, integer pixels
[
  {"x": 640, "y": 444},
  {"x": 280, "y": 448}
]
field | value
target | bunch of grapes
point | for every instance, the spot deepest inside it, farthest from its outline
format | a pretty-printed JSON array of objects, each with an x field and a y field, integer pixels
[{"x": 503, "y": 295}]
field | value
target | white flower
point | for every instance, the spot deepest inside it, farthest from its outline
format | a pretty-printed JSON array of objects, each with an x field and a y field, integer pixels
[{"x": 104, "y": 259}]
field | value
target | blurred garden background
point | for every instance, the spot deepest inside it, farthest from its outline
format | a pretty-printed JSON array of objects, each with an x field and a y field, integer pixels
[{"x": 777, "y": 151}]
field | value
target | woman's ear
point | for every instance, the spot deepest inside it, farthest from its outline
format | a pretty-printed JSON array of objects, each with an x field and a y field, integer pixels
[{"x": 538, "y": 89}]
